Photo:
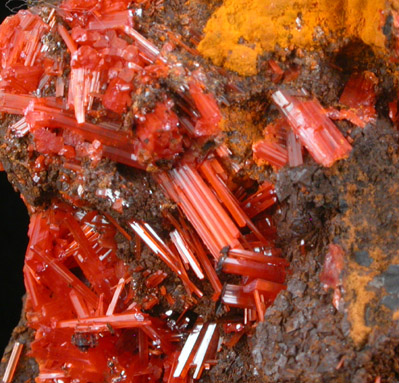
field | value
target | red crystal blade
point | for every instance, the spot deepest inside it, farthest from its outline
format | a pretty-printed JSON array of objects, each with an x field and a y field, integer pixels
[{"x": 315, "y": 130}]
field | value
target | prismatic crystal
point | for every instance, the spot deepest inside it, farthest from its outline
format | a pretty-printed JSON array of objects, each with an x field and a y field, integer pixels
[{"x": 74, "y": 106}]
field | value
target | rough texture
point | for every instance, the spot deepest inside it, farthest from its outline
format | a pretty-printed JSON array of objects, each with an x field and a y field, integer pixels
[
  {"x": 354, "y": 204},
  {"x": 304, "y": 338},
  {"x": 240, "y": 31}
]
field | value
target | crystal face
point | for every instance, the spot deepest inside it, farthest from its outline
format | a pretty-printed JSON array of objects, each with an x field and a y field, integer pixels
[
  {"x": 92, "y": 104},
  {"x": 314, "y": 129}
]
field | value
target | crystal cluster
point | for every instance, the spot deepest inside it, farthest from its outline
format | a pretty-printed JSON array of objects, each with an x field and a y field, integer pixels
[
  {"x": 109, "y": 63},
  {"x": 305, "y": 123},
  {"x": 75, "y": 105},
  {"x": 89, "y": 325},
  {"x": 81, "y": 299},
  {"x": 235, "y": 231},
  {"x": 280, "y": 147},
  {"x": 309, "y": 121}
]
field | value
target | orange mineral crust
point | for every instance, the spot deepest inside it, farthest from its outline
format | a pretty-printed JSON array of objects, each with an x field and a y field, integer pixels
[{"x": 240, "y": 31}]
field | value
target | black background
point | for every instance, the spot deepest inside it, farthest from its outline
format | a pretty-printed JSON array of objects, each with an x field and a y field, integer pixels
[{"x": 14, "y": 222}]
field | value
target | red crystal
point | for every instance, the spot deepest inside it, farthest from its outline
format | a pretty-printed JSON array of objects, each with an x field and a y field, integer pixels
[
  {"x": 209, "y": 169},
  {"x": 100, "y": 54},
  {"x": 270, "y": 153},
  {"x": 266, "y": 288},
  {"x": 71, "y": 45},
  {"x": 117, "y": 96},
  {"x": 254, "y": 269},
  {"x": 20, "y": 79},
  {"x": 118, "y": 227},
  {"x": 25, "y": 31},
  {"x": 258, "y": 202},
  {"x": 213, "y": 172},
  {"x": 98, "y": 323},
  {"x": 234, "y": 296},
  {"x": 42, "y": 113},
  {"x": 83, "y": 307},
  {"x": 209, "y": 215},
  {"x": 14, "y": 104},
  {"x": 359, "y": 95},
  {"x": 146, "y": 46},
  {"x": 20, "y": 46},
  {"x": 333, "y": 266},
  {"x": 200, "y": 347},
  {"x": 393, "y": 111},
  {"x": 346, "y": 114},
  {"x": 57, "y": 277},
  {"x": 294, "y": 149},
  {"x": 155, "y": 279},
  {"x": 314, "y": 129},
  {"x": 79, "y": 304},
  {"x": 270, "y": 256},
  {"x": 192, "y": 240},
  {"x": 208, "y": 124},
  {"x": 83, "y": 82},
  {"x": 206, "y": 264},
  {"x": 159, "y": 133},
  {"x": 114, "y": 20},
  {"x": 47, "y": 142},
  {"x": 59, "y": 312},
  {"x": 185, "y": 252},
  {"x": 97, "y": 271},
  {"x": 207, "y": 349},
  {"x": 188, "y": 189},
  {"x": 278, "y": 73},
  {"x": 155, "y": 243},
  {"x": 13, "y": 362}
]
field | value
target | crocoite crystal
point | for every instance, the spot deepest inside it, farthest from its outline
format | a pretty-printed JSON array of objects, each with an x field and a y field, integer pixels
[
  {"x": 314, "y": 129},
  {"x": 89, "y": 324},
  {"x": 60, "y": 305},
  {"x": 333, "y": 266},
  {"x": 272, "y": 149},
  {"x": 360, "y": 97},
  {"x": 104, "y": 64}
]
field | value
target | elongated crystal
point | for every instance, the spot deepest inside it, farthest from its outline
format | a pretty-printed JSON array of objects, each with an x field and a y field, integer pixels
[
  {"x": 314, "y": 129},
  {"x": 270, "y": 152},
  {"x": 223, "y": 192},
  {"x": 333, "y": 266},
  {"x": 155, "y": 243},
  {"x": 58, "y": 276},
  {"x": 359, "y": 95},
  {"x": 13, "y": 362},
  {"x": 123, "y": 320},
  {"x": 207, "y": 347},
  {"x": 258, "y": 202},
  {"x": 208, "y": 124},
  {"x": 294, "y": 149},
  {"x": 254, "y": 269},
  {"x": 71, "y": 45},
  {"x": 188, "y": 352},
  {"x": 114, "y": 20},
  {"x": 186, "y": 253},
  {"x": 264, "y": 256},
  {"x": 234, "y": 296}
]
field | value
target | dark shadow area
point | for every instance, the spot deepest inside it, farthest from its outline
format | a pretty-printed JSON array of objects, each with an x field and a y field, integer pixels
[{"x": 14, "y": 222}]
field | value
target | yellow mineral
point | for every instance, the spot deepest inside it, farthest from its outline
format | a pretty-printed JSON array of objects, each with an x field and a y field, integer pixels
[{"x": 240, "y": 30}]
